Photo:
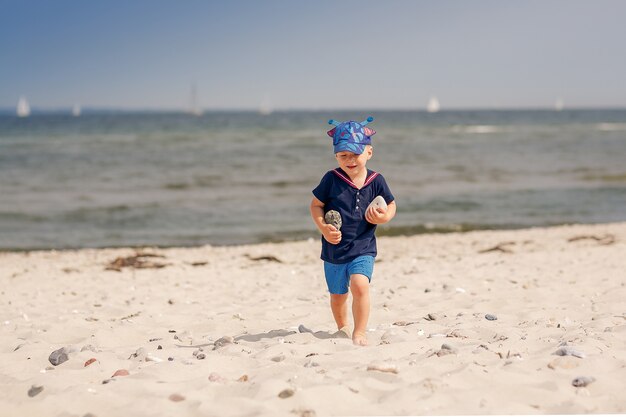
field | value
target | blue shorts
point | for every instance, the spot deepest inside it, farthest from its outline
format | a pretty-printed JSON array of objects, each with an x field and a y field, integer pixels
[{"x": 338, "y": 275}]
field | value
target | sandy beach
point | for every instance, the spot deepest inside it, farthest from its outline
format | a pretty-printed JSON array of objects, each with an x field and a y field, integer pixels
[{"x": 461, "y": 324}]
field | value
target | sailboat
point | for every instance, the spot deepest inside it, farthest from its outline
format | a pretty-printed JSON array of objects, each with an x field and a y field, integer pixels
[
  {"x": 265, "y": 108},
  {"x": 193, "y": 105},
  {"x": 433, "y": 105},
  {"x": 76, "y": 110},
  {"x": 558, "y": 105},
  {"x": 23, "y": 109}
]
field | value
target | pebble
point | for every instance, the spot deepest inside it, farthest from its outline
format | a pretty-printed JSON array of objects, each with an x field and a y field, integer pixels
[
  {"x": 120, "y": 372},
  {"x": 170, "y": 359},
  {"x": 200, "y": 356},
  {"x": 223, "y": 341},
  {"x": 213, "y": 377},
  {"x": 243, "y": 378},
  {"x": 569, "y": 351},
  {"x": 431, "y": 317},
  {"x": 491, "y": 317},
  {"x": 176, "y": 398},
  {"x": 159, "y": 347},
  {"x": 333, "y": 217},
  {"x": 446, "y": 349},
  {"x": 34, "y": 390},
  {"x": 583, "y": 381},
  {"x": 286, "y": 393},
  {"x": 59, "y": 356},
  {"x": 564, "y": 363},
  {"x": 89, "y": 362},
  {"x": 278, "y": 358}
]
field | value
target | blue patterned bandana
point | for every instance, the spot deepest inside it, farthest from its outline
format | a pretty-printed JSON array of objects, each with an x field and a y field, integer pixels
[{"x": 351, "y": 136}]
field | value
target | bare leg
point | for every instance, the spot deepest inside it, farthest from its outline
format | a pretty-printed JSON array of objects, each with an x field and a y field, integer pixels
[
  {"x": 339, "y": 306},
  {"x": 360, "y": 287}
]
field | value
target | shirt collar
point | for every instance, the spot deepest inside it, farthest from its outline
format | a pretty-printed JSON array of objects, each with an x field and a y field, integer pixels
[{"x": 346, "y": 178}]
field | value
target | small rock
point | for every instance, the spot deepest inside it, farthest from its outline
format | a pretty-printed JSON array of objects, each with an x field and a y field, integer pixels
[
  {"x": 446, "y": 349},
  {"x": 215, "y": 377},
  {"x": 582, "y": 381},
  {"x": 334, "y": 218},
  {"x": 34, "y": 390},
  {"x": 159, "y": 347},
  {"x": 278, "y": 358},
  {"x": 89, "y": 362},
  {"x": 286, "y": 393},
  {"x": 120, "y": 372},
  {"x": 176, "y": 398},
  {"x": 200, "y": 356},
  {"x": 303, "y": 329},
  {"x": 491, "y": 317},
  {"x": 431, "y": 317},
  {"x": 223, "y": 341},
  {"x": 59, "y": 356},
  {"x": 564, "y": 363},
  {"x": 243, "y": 378},
  {"x": 569, "y": 351},
  {"x": 170, "y": 359}
]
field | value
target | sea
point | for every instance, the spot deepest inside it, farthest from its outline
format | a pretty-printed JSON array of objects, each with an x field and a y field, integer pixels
[{"x": 112, "y": 179}]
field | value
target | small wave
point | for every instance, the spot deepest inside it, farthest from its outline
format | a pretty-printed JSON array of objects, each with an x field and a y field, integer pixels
[
  {"x": 611, "y": 127},
  {"x": 477, "y": 129}
]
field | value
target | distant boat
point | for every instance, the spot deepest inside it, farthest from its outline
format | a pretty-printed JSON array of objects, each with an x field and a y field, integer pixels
[
  {"x": 433, "y": 105},
  {"x": 23, "y": 109},
  {"x": 558, "y": 105},
  {"x": 266, "y": 107},
  {"x": 76, "y": 110},
  {"x": 194, "y": 109}
]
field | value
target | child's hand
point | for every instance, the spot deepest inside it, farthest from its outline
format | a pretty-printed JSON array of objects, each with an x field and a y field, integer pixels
[
  {"x": 376, "y": 215},
  {"x": 331, "y": 234}
]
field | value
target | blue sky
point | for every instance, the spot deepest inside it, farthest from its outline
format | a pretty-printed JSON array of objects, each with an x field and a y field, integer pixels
[{"x": 313, "y": 54}]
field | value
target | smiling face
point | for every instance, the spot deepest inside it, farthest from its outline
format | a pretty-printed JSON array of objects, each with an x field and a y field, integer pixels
[{"x": 353, "y": 164}]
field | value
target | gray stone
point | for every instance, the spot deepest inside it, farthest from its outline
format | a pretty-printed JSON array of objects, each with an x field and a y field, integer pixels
[
  {"x": 34, "y": 390},
  {"x": 333, "y": 217},
  {"x": 59, "y": 356}
]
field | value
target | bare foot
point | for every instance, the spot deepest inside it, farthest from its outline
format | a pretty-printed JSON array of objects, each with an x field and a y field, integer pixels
[{"x": 359, "y": 339}]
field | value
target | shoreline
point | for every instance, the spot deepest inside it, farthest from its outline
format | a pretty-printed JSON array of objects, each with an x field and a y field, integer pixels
[
  {"x": 214, "y": 329},
  {"x": 298, "y": 236}
]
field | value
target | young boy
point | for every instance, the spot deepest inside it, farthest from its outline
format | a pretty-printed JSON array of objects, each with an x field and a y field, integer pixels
[{"x": 348, "y": 251}]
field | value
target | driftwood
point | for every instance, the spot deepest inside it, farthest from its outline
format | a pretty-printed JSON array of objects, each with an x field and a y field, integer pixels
[
  {"x": 270, "y": 258},
  {"x": 137, "y": 261},
  {"x": 500, "y": 247},
  {"x": 602, "y": 240}
]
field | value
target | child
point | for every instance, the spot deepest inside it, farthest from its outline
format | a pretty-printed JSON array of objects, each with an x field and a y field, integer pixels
[{"x": 349, "y": 248}]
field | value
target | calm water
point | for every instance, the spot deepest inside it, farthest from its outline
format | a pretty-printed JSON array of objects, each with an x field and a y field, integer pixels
[{"x": 225, "y": 178}]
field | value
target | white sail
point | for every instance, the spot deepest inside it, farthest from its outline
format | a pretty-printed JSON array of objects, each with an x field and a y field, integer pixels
[
  {"x": 558, "y": 105},
  {"x": 433, "y": 105},
  {"x": 193, "y": 102},
  {"x": 23, "y": 109},
  {"x": 266, "y": 107},
  {"x": 76, "y": 110}
]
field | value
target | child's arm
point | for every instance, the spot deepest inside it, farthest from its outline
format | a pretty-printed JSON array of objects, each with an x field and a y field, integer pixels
[
  {"x": 330, "y": 233},
  {"x": 379, "y": 215}
]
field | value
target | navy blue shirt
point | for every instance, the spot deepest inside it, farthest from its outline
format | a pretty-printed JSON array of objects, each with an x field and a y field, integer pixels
[{"x": 339, "y": 193}]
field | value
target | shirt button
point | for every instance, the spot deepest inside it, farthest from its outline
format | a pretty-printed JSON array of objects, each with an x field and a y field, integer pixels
[{"x": 357, "y": 200}]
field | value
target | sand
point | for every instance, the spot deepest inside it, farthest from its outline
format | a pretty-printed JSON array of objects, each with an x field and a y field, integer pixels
[{"x": 432, "y": 349}]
